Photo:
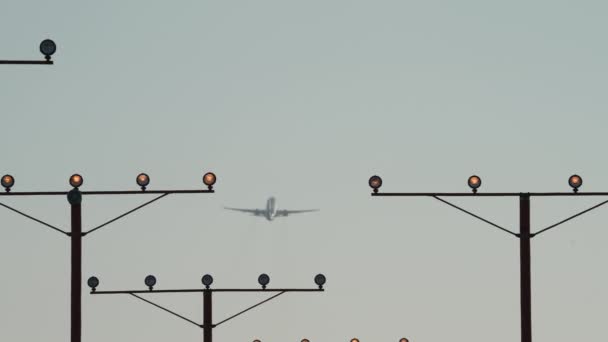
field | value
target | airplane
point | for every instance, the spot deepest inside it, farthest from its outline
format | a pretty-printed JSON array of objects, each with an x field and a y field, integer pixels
[{"x": 271, "y": 211}]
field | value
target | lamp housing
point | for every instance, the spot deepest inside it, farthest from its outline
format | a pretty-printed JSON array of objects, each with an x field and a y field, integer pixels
[
  {"x": 263, "y": 280},
  {"x": 209, "y": 179},
  {"x": 143, "y": 180},
  {"x": 474, "y": 183},
  {"x": 76, "y": 180},
  {"x": 93, "y": 282},
  {"x": 7, "y": 182},
  {"x": 375, "y": 182},
  {"x": 48, "y": 48},
  {"x": 320, "y": 280},
  {"x": 150, "y": 281},
  {"x": 207, "y": 280},
  {"x": 575, "y": 181}
]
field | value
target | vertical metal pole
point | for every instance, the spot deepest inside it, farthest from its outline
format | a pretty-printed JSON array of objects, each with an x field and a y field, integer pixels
[
  {"x": 525, "y": 281},
  {"x": 207, "y": 317},
  {"x": 75, "y": 199}
]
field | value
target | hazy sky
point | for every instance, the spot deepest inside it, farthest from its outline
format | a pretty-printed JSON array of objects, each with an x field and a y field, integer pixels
[{"x": 304, "y": 100}]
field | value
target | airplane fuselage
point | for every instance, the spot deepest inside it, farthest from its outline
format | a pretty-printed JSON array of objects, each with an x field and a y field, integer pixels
[{"x": 271, "y": 209}]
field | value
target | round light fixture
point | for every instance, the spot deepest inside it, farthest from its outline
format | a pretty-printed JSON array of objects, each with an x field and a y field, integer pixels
[
  {"x": 207, "y": 280},
  {"x": 375, "y": 182},
  {"x": 48, "y": 48},
  {"x": 209, "y": 179},
  {"x": 575, "y": 181},
  {"x": 263, "y": 280},
  {"x": 150, "y": 281},
  {"x": 7, "y": 182},
  {"x": 320, "y": 280},
  {"x": 474, "y": 183},
  {"x": 76, "y": 180},
  {"x": 143, "y": 180},
  {"x": 93, "y": 282}
]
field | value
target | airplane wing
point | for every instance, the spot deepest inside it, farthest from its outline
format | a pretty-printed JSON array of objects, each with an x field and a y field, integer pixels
[
  {"x": 255, "y": 212},
  {"x": 287, "y": 212}
]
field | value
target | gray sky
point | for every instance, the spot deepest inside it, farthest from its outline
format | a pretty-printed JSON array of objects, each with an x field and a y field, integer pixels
[{"x": 304, "y": 100}]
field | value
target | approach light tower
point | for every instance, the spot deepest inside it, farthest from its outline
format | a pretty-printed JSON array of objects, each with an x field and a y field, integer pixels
[
  {"x": 76, "y": 233},
  {"x": 207, "y": 291},
  {"x": 524, "y": 235}
]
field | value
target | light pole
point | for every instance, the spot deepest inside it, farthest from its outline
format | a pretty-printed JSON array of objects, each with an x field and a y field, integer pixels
[
  {"x": 76, "y": 233},
  {"x": 524, "y": 235},
  {"x": 47, "y": 48},
  {"x": 207, "y": 280}
]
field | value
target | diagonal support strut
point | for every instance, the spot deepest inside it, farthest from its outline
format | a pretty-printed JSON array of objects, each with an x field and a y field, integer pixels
[
  {"x": 125, "y": 214},
  {"x": 166, "y": 310},
  {"x": 249, "y": 308},
  {"x": 34, "y": 219},
  {"x": 571, "y": 217},
  {"x": 474, "y": 215}
]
